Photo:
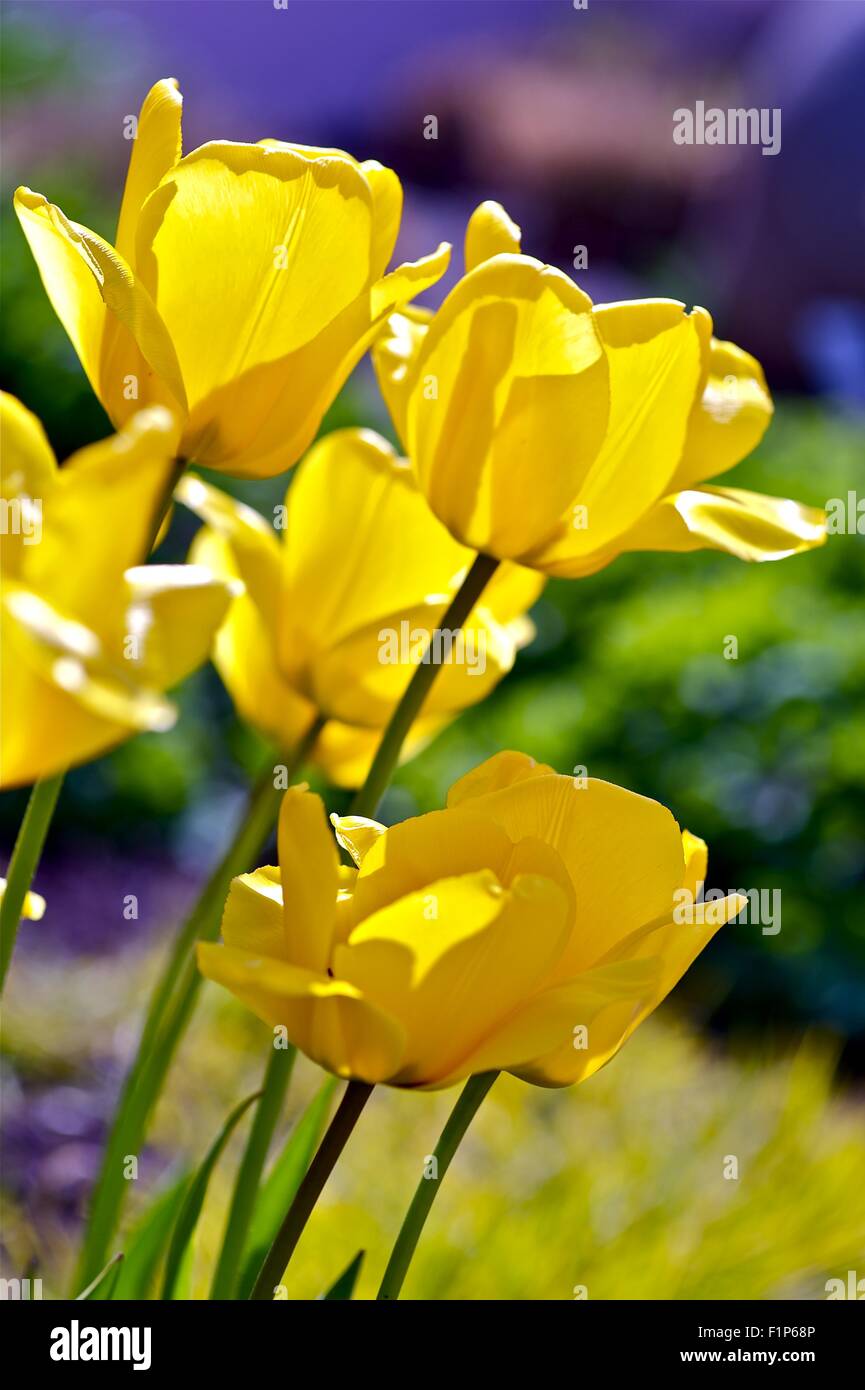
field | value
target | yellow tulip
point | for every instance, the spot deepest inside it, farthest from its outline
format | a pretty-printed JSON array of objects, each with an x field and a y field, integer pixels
[
  {"x": 334, "y": 617},
  {"x": 246, "y": 282},
  {"x": 90, "y": 638},
  {"x": 34, "y": 905},
  {"x": 546, "y": 430},
  {"x": 531, "y": 927}
]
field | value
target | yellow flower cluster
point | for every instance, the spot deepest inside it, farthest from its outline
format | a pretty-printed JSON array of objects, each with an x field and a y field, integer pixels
[{"x": 542, "y": 432}]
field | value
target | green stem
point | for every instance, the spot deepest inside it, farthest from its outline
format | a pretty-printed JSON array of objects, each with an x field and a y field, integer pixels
[
  {"x": 171, "y": 1006},
  {"x": 22, "y": 865},
  {"x": 387, "y": 754},
  {"x": 276, "y": 1078},
  {"x": 354, "y": 1098},
  {"x": 459, "y": 1120}
]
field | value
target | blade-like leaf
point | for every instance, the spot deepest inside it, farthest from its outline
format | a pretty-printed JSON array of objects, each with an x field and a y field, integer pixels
[
  {"x": 102, "y": 1286},
  {"x": 344, "y": 1286},
  {"x": 282, "y": 1182},
  {"x": 193, "y": 1201},
  {"x": 146, "y": 1245}
]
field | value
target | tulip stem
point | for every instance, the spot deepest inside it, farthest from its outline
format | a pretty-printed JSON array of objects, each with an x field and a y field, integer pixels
[
  {"x": 172, "y": 1002},
  {"x": 276, "y": 1078},
  {"x": 354, "y": 1098},
  {"x": 471, "y": 1096},
  {"x": 387, "y": 754},
  {"x": 24, "y": 862}
]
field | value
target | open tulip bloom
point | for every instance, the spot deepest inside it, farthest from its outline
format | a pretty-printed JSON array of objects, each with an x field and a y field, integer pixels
[
  {"x": 245, "y": 283},
  {"x": 334, "y": 617},
  {"x": 559, "y": 434},
  {"x": 529, "y": 927},
  {"x": 91, "y": 638}
]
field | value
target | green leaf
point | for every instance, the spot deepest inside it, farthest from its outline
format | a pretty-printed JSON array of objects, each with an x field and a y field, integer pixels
[
  {"x": 107, "y": 1277},
  {"x": 147, "y": 1243},
  {"x": 282, "y": 1182},
  {"x": 193, "y": 1200},
  {"x": 344, "y": 1286}
]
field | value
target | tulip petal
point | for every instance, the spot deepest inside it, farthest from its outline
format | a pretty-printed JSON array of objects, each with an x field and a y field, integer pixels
[
  {"x": 452, "y": 960},
  {"x": 252, "y": 540},
  {"x": 508, "y": 404},
  {"x": 106, "y": 310},
  {"x": 730, "y": 416},
  {"x": 253, "y": 920},
  {"x": 156, "y": 147},
  {"x": 29, "y": 473},
  {"x": 113, "y": 490},
  {"x": 490, "y": 232},
  {"x": 327, "y": 1019},
  {"x": 277, "y": 243},
  {"x": 310, "y": 879},
  {"x": 245, "y": 656},
  {"x": 749, "y": 525},
  {"x": 652, "y": 349},
  {"x": 174, "y": 611},
  {"x": 356, "y": 834},
  {"x": 394, "y": 354},
  {"x": 503, "y": 769},
  {"x": 541, "y": 1041},
  {"x": 64, "y": 700},
  {"x": 614, "y": 843},
  {"x": 607, "y": 1003}
]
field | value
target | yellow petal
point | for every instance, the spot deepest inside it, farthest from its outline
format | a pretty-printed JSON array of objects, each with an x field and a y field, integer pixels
[
  {"x": 490, "y": 232},
  {"x": 356, "y": 834},
  {"x": 252, "y": 540},
  {"x": 504, "y": 769},
  {"x": 748, "y": 525},
  {"x": 387, "y": 213},
  {"x": 606, "y": 1002},
  {"x": 253, "y": 920},
  {"x": 730, "y": 416},
  {"x": 64, "y": 698},
  {"x": 363, "y": 677},
  {"x": 173, "y": 614},
  {"x": 452, "y": 961},
  {"x": 539, "y": 1041},
  {"x": 110, "y": 317},
  {"x": 394, "y": 354},
  {"x": 344, "y": 753},
  {"x": 156, "y": 147},
  {"x": 508, "y": 404},
  {"x": 653, "y": 350},
  {"x": 113, "y": 491},
  {"x": 309, "y": 865},
  {"x": 28, "y": 471},
  {"x": 245, "y": 656},
  {"x": 250, "y": 252},
  {"x": 442, "y": 844},
  {"x": 327, "y": 1019},
  {"x": 615, "y": 845},
  {"x": 33, "y": 909}
]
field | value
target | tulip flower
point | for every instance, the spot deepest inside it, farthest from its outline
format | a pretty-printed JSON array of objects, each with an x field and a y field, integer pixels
[
  {"x": 33, "y": 907},
  {"x": 334, "y": 618},
  {"x": 530, "y": 926},
  {"x": 245, "y": 283},
  {"x": 91, "y": 639},
  {"x": 559, "y": 434}
]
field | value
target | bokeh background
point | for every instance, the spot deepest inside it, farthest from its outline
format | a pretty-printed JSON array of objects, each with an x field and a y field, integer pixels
[{"x": 565, "y": 115}]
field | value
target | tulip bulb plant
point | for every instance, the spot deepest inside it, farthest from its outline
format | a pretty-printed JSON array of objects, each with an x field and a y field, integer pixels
[{"x": 529, "y": 926}]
